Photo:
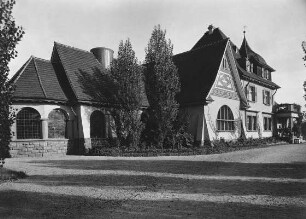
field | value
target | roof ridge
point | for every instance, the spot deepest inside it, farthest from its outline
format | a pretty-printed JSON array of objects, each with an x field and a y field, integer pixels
[
  {"x": 71, "y": 47},
  {"x": 14, "y": 79},
  {"x": 41, "y": 59},
  {"x": 39, "y": 79},
  {"x": 65, "y": 70},
  {"x": 204, "y": 46}
]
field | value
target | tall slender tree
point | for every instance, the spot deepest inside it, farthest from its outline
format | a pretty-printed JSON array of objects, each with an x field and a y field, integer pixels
[
  {"x": 127, "y": 75},
  {"x": 162, "y": 85},
  {"x": 10, "y": 34}
]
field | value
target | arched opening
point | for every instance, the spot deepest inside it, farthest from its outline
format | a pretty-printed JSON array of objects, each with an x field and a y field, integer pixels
[
  {"x": 57, "y": 124},
  {"x": 28, "y": 124},
  {"x": 97, "y": 125},
  {"x": 225, "y": 119}
]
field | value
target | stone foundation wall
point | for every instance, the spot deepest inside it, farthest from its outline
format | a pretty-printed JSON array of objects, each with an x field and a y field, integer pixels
[{"x": 40, "y": 148}]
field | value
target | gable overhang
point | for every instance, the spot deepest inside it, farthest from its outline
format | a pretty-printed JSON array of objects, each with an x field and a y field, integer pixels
[{"x": 232, "y": 63}]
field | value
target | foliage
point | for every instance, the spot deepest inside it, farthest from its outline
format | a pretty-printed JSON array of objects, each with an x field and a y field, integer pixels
[
  {"x": 178, "y": 137},
  {"x": 162, "y": 85},
  {"x": 127, "y": 76},
  {"x": 10, "y": 34},
  {"x": 221, "y": 146}
]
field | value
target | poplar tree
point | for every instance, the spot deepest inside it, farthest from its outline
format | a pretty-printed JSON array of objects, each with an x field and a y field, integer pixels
[
  {"x": 10, "y": 34},
  {"x": 162, "y": 85},
  {"x": 127, "y": 76}
]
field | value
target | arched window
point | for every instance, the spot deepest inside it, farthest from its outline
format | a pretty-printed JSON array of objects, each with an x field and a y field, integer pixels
[
  {"x": 57, "y": 124},
  {"x": 28, "y": 124},
  {"x": 97, "y": 125},
  {"x": 225, "y": 119}
]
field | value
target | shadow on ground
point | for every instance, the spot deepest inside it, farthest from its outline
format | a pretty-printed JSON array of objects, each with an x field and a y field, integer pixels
[
  {"x": 147, "y": 183},
  {"x": 273, "y": 170},
  {"x": 14, "y": 204}
]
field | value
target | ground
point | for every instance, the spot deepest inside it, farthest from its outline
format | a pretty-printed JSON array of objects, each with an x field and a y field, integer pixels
[{"x": 258, "y": 183}]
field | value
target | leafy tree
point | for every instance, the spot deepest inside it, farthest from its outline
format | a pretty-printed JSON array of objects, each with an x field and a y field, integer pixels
[
  {"x": 10, "y": 34},
  {"x": 162, "y": 85},
  {"x": 127, "y": 77}
]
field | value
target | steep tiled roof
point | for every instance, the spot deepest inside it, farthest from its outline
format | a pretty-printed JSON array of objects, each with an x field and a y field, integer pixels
[
  {"x": 247, "y": 52},
  {"x": 76, "y": 62},
  {"x": 255, "y": 78},
  {"x": 79, "y": 69},
  {"x": 37, "y": 80},
  {"x": 209, "y": 38},
  {"x": 198, "y": 69}
]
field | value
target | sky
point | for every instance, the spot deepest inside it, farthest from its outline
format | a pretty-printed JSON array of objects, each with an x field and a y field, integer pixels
[{"x": 275, "y": 29}]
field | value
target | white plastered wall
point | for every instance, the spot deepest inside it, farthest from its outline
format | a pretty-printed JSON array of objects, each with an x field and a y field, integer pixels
[
  {"x": 84, "y": 120},
  {"x": 260, "y": 109},
  {"x": 211, "y": 112}
]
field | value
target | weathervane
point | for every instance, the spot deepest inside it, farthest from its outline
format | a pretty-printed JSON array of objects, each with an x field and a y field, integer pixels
[{"x": 244, "y": 28}]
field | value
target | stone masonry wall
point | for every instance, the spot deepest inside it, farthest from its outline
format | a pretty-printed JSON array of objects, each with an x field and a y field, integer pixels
[{"x": 39, "y": 148}]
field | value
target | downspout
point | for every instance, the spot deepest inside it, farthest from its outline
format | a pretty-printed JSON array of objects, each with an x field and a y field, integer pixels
[{"x": 275, "y": 132}]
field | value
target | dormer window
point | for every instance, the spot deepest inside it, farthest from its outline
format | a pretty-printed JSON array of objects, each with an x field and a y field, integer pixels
[
  {"x": 248, "y": 67},
  {"x": 259, "y": 71},
  {"x": 251, "y": 67},
  {"x": 266, "y": 74},
  {"x": 224, "y": 63}
]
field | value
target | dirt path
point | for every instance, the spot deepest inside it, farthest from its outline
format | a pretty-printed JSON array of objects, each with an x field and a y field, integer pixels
[{"x": 258, "y": 183}]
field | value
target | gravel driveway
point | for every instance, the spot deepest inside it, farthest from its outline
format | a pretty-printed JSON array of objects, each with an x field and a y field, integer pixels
[{"x": 257, "y": 183}]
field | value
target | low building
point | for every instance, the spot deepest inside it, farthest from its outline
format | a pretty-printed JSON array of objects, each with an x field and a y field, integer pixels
[
  {"x": 288, "y": 121},
  {"x": 227, "y": 93}
]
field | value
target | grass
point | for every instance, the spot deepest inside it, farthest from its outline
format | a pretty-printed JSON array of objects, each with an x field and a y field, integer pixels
[{"x": 6, "y": 174}]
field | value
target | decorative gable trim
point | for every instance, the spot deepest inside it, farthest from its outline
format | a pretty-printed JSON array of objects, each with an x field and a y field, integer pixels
[{"x": 214, "y": 90}]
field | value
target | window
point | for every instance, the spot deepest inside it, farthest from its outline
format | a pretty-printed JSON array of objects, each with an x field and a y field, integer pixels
[
  {"x": 251, "y": 122},
  {"x": 266, "y": 74},
  {"x": 251, "y": 93},
  {"x": 251, "y": 67},
  {"x": 57, "y": 124},
  {"x": 97, "y": 125},
  {"x": 225, "y": 119},
  {"x": 224, "y": 63},
  {"x": 266, "y": 97},
  {"x": 248, "y": 67},
  {"x": 267, "y": 124},
  {"x": 28, "y": 124},
  {"x": 259, "y": 71}
]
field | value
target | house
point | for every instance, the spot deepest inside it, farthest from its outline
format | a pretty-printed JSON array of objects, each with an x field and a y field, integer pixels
[
  {"x": 54, "y": 113},
  {"x": 288, "y": 119},
  {"x": 227, "y": 93}
]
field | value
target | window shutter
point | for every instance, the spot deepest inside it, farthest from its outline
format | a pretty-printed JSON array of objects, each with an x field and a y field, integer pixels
[
  {"x": 263, "y": 96},
  {"x": 247, "y": 122},
  {"x": 255, "y": 94},
  {"x": 246, "y": 92},
  {"x": 270, "y": 98}
]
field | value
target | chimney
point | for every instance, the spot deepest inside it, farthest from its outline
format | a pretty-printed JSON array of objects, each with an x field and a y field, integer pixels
[
  {"x": 103, "y": 55},
  {"x": 210, "y": 29}
]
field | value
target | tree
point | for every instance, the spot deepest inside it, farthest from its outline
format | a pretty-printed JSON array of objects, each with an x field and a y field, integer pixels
[
  {"x": 127, "y": 77},
  {"x": 304, "y": 58},
  {"x": 162, "y": 85},
  {"x": 10, "y": 34}
]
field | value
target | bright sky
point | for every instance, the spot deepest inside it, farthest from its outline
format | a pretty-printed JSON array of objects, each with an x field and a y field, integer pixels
[{"x": 275, "y": 29}]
